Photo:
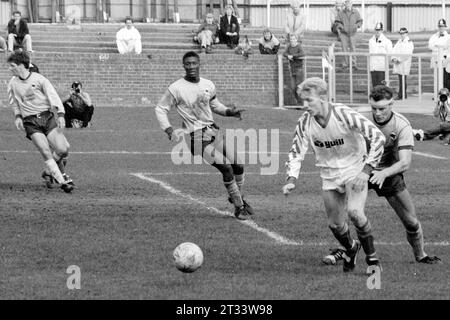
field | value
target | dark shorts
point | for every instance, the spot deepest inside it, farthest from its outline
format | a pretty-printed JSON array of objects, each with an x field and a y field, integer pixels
[
  {"x": 201, "y": 138},
  {"x": 43, "y": 122},
  {"x": 391, "y": 186}
]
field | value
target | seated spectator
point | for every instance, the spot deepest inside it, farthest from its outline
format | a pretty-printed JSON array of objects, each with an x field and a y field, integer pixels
[
  {"x": 229, "y": 28},
  {"x": 295, "y": 22},
  {"x": 207, "y": 33},
  {"x": 129, "y": 39},
  {"x": 78, "y": 107},
  {"x": 244, "y": 48},
  {"x": 295, "y": 54},
  {"x": 268, "y": 43},
  {"x": 442, "y": 112},
  {"x": 233, "y": 3},
  {"x": 3, "y": 46},
  {"x": 18, "y": 34}
]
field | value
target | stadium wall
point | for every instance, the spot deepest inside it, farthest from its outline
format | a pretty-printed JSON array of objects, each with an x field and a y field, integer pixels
[{"x": 115, "y": 80}]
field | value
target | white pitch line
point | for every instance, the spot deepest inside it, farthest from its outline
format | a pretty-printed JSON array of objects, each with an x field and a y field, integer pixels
[
  {"x": 275, "y": 236},
  {"x": 429, "y": 155}
]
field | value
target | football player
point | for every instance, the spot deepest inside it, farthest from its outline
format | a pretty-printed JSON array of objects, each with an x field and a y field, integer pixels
[
  {"x": 387, "y": 179},
  {"x": 32, "y": 97},
  {"x": 195, "y": 100},
  {"x": 337, "y": 135}
]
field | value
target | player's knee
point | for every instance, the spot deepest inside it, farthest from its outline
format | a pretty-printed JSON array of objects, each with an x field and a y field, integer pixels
[
  {"x": 412, "y": 225},
  {"x": 336, "y": 227},
  {"x": 226, "y": 170},
  {"x": 357, "y": 216}
]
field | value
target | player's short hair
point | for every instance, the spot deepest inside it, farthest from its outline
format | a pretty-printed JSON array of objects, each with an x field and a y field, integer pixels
[
  {"x": 315, "y": 83},
  {"x": 20, "y": 57},
  {"x": 381, "y": 92},
  {"x": 190, "y": 54},
  {"x": 18, "y": 12},
  {"x": 129, "y": 18}
]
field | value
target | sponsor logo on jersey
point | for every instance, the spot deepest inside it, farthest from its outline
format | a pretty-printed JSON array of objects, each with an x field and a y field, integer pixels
[{"x": 329, "y": 144}]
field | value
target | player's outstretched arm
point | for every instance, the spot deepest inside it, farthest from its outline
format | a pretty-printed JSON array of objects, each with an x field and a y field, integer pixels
[{"x": 297, "y": 153}]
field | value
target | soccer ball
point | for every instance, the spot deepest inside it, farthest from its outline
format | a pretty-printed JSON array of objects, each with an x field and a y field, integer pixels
[{"x": 188, "y": 257}]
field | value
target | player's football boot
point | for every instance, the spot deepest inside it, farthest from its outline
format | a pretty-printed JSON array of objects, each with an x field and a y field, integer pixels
[
  {"x": 241, "y": 213},
  {"x": 374, "y": 261},
  {"x": 430, "y": 260},
  {"x": 48, "y": 179},
  {"x": 334, "y": 256},
  {"x": 349, "y": 257},
  {"x": 67, "y": 188},
  {"x": 67, "y": 179},
  {"x": 247, "y": 206},
  {"x": 418, "y": 134}
]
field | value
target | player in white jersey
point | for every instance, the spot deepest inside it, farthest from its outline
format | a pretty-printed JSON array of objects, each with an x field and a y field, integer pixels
[
  {"x": 387, "y": 179},
  {"x": 32, "y": 97},
  {"x": 337, "y": 135},
  {"x": 195, "y": 100}
]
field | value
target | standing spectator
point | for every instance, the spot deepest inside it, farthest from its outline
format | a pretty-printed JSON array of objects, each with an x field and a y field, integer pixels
[
  {"x": 229, "y": 28},
  {"x": 295, "y": 22},
  {"x": 78, "y": 107},
  {"x": 295, "y": 54},
  {"x": 402, "y": 64},
  {"x": 128, "y": 38},
  {"x": 207, "y": 33},
  {"x": 333, "y": 15},
  {"x": 441, "y": 39},
  {"x": 268, "y": 43},
  {"x": 378, "y": 44},
  {"x": 348, "y": 21},
  {"x": 18, "y": 33}
]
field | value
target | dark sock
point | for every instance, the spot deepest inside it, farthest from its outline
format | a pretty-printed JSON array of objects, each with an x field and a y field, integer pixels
[
  {"x": 366, "y": 238},
  {"x": 342, "y": 234}
]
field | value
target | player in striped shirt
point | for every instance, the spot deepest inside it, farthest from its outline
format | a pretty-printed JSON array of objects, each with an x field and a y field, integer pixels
[
  {"x": 387, "y": 179},
  {"x": 337, "y": 135},
  {"x": 195, "y": 100},
  {"x": 32, "y": 97}
]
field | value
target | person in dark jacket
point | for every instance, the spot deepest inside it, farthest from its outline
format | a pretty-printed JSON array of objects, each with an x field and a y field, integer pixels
[
  {"x": 268, "y": 43},
  {"x": 295, "y": 55},
  {"x": 18, "y": 33},
  {"x": 229, "y": 28}
]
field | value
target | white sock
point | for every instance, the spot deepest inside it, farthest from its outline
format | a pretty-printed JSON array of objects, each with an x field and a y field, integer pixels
[{"x": 54, "y": 170}]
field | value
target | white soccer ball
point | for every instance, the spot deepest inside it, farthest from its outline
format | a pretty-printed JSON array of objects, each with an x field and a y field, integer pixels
[{"x": 188, "y": 257}]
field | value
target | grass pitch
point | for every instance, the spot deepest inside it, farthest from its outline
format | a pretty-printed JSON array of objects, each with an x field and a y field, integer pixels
[{"x": 121, "y": 230}]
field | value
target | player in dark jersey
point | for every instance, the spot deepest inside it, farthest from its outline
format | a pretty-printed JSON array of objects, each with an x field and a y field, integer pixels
[{"x": 387, "y": 179}]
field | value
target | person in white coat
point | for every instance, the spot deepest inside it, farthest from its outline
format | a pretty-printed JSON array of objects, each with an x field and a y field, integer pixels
[
  {"x": 402, "y": 64},
  {"x": 378, "y": 44},
  {"x": 441, "y": 39},
  {"x": 128, "y": 38}
]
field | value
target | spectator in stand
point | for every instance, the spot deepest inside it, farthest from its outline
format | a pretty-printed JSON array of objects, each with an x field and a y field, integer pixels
[
  {"x": 338, "y": 5},
  {"x": 207, "y": 34},
  {"x": 348, "y": 21},
  {"x": 382, "y": 45},
  {"x": 295, "y": 22},
  {"x": 402, "y": 64},
  {"x": 441, "y": 39},
  {"x": 18, "y": 33},
  {"x": 244, "y": 48},
  {"x": 128, "y": 38},
  {"x": 233, "y": 3},
  {"x": 268, "y": 43},
  {"x": 295, "y": 54},
  {"x": 229, "y": 28}
]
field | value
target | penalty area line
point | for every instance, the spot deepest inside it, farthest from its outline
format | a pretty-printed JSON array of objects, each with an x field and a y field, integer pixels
[{"x": 273, "y": 235}]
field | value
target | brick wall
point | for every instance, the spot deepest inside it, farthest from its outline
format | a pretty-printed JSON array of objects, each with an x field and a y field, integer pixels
[{"x": 115, "y": 80}]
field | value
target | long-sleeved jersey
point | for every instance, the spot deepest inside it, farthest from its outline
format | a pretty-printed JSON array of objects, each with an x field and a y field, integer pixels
[
  {"x": 194, "y": 102},
  {"x": 338, "y": 145},
  {"x": 33, "y": 95}
]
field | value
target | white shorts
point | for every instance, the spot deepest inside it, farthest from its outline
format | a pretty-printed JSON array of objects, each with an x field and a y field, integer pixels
[{"x": 346, "y": 175}]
